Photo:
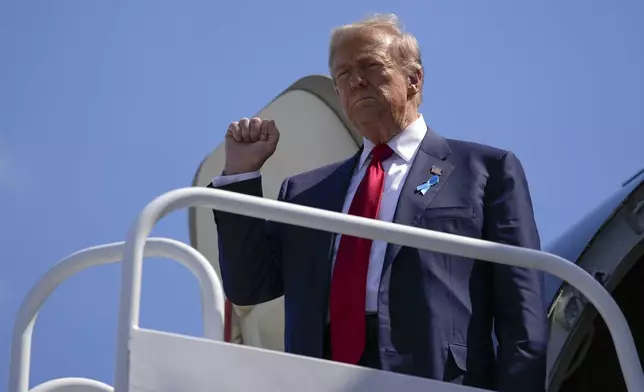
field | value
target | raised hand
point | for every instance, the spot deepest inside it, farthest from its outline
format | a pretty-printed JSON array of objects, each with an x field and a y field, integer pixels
[{"x": 249, "y": 143}]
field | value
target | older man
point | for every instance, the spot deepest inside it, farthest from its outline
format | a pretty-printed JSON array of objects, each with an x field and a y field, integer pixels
[{"x": 376, "y": 304}]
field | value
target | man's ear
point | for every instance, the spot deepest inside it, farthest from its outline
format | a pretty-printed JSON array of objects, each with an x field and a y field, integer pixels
[{"x": 415, "y": 82}]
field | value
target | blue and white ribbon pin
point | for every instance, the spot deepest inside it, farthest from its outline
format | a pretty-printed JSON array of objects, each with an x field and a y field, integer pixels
[{"x": 422, "y": 188}]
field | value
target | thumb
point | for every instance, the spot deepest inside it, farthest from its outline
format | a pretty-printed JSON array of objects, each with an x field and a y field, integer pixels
[{"x": 273, "y": 133}]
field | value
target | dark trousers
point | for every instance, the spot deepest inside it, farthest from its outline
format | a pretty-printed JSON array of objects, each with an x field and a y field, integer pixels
[{"x": 371, "y": 356}]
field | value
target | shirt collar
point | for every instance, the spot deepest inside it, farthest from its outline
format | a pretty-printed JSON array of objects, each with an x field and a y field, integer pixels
[{"x": 404, "y": 144}]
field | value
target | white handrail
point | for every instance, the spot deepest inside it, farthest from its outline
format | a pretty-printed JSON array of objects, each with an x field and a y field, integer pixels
[
  {"x": 72, "y": 384},
  {"x": 361, "y": 227},
  {"x": 212, "y": 296}
]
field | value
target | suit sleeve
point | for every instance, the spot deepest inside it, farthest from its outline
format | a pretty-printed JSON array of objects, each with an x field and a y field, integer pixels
[
  {"x": 249, "y": 250},
  {"x": 520, "y": 321}
]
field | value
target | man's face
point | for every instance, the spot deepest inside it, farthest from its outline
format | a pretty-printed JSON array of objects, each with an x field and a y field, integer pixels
[{"x": 370, "y": 84}]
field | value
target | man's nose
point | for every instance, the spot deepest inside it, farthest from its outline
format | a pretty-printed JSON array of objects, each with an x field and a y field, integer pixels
[{"x": 357, "y": 80}]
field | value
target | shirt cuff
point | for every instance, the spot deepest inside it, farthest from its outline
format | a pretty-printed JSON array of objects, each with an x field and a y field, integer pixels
[{"x": 222, "y": 180}]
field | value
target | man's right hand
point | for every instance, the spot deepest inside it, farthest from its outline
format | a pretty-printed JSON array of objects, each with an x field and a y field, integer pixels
[{"x": 249, "y": 143}]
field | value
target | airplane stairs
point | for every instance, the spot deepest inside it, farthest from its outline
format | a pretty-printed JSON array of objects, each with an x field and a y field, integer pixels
[{"x": 155, "y": 361}]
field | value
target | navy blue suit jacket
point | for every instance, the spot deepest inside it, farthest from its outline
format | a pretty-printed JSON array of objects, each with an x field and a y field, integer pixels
[{"x": 438, "y": 313}]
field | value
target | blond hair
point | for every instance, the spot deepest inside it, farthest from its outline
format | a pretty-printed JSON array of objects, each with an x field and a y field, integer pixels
[{"x": 404, "y": 46}]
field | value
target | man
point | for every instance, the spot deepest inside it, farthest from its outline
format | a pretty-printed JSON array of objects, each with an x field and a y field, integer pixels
[{"x": 377, "y": 304}]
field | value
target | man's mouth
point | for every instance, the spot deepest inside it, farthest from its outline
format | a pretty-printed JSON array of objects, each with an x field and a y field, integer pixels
[{"x": 362, "y": 99}]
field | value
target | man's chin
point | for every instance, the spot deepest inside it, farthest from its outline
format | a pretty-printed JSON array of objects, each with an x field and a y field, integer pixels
[
  {"x": 364, "y": 116},
  {"x": 367, "y": 109}
]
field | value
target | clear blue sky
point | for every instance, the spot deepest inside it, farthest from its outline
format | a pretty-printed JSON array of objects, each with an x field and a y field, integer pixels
[{"x": 104, "y": 105}]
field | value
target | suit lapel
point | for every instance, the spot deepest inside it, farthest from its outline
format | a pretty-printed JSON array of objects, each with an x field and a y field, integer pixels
[
  {"x": 432, "y": 152},
  {"x": 333, "y": 191}
]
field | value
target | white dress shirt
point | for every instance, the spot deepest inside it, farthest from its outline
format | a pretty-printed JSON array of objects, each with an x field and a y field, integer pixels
[{"x": 404, "y": 145}]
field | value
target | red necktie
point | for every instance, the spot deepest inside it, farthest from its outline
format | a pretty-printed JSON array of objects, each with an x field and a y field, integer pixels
[{"x": 349, "y": 280}]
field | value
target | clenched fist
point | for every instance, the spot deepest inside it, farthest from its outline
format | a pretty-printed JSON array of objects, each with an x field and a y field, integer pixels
[{"x": 249, "y": 143}]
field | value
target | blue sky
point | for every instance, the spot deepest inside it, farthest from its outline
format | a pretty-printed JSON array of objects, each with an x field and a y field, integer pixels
[{"x": 106, "y": 105}]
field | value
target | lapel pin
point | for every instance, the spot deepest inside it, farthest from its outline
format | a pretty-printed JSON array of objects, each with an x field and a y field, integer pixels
[
  {"x": 422, "y": 188},
  {"x": 436, "y": 170}
]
